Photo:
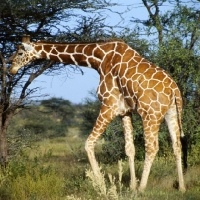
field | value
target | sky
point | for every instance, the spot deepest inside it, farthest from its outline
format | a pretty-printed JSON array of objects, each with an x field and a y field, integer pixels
[{"x": 75, "y": 87}]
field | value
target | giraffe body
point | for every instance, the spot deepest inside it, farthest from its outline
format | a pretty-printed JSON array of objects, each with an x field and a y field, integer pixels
[{"x": 128, "y": 82}]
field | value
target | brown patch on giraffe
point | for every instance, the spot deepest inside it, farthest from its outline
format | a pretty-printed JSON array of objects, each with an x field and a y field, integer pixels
[
  {"x": 143, "y": 106},
  {"x": 159, "y": 87},
  {"x": 38, "y": 48},
  {"x": 70, "y": 48},
  {"x": 54, "y": 57},
  {"x": 167, "y": 91},
  {"x": 145, "y": 98},
  {"x": 167, "y": 81},
  {"x": 98, "y": 53},
  {"x": 77, "y": 48},
  {"x": 60, "y": 48},
  {"x": 107, "y": 47},
  {"x": 135, "y": 77},
  {"x": 132, "y": 65},
  {"x": 130, "y": 72},
  {"x": 109, "y": 79},
  {"x": 143, "y": 67},
  {"x": 106, "y": 64},
  {"x": 159, "y": 75},
  {"x": 144, "y": 84},
  {"x": 47, "y": 48},
  {"x": 163, "y": 98},
  {"x": 155, "y": 106},
  {"x": 102, "y": 87},
  {"x": 138, "y": 59},
  {"x": 106, "y": 94},
  {"x": 148, "y": 74},
  {"x": 80, "y": 59},
  {"x": 152, "y": 83},
  {"x": 122, "y": 73},
  {"x": 66, "y": 58},
  {"x": 129, "y": 85},
  {"x": 95, "y": 63},
  {"x": 128, "y": 55},
  {"x": 164, "y": 109},
  {"x": 121, "y": 48},
  {"x": 151, "y": 94},
  {"x": 116, "y": 58},
  {"x": 89, "y": 49},
  {"x": 53, "y": 51}
]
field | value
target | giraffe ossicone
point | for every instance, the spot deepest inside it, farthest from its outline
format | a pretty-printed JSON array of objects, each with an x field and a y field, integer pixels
[{"x": 127, "y": 82}]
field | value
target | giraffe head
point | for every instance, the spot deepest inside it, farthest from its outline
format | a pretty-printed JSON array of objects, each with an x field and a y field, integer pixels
[{"x": 24, "y": 55}]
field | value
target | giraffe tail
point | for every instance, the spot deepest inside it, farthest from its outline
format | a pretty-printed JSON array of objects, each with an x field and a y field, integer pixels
[
  {"x": 184, "y": 143},
  {"x": 183, "y": 138}
]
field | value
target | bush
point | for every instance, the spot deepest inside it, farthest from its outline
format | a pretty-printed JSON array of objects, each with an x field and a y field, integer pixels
[
  {"x": 114, "y": 147},
  {"x": 26, "y": 178}
]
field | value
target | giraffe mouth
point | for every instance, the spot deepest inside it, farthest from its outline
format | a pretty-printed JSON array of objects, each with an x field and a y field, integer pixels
[{"x": 13, "y": 70}]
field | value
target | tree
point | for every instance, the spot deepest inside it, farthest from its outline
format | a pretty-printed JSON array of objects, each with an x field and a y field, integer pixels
[
  {"x": 60, "y": 108},
  {"x": 40, "y": 19},
  {"x": 89, "y": 114}
]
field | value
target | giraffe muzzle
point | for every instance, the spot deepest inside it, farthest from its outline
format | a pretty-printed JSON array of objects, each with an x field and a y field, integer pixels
[{"x": 13, "y": 70}]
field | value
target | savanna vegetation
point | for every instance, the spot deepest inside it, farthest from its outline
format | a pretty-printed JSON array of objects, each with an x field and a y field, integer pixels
[
  {"x": 42, "y": 142},
  {"x": 48, "y": 160}
]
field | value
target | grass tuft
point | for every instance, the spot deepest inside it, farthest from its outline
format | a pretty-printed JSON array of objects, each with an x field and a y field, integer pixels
[{"x": 111, "y": 190}]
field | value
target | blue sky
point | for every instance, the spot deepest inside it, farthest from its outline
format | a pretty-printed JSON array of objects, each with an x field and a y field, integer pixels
[{"x": 75, "y": 87}]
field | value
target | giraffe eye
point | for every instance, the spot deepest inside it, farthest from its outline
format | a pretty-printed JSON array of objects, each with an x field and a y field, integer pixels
[{"x": 20, "y": 54}]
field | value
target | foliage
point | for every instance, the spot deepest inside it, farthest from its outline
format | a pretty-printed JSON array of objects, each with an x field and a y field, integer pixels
[
  {"x": 89, "y": 113},
  {"x": 60, "y": 108},
  {"x": 31, "y": 178},
  {"x": 104, "y": 191},
  {"x": 50, "y": 119},
  {"x": 18, "y": 139},
  {"x": 114, "y": 147}
]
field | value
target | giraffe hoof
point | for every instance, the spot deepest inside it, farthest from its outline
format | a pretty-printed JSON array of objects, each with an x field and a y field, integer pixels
[
  {"x": 183, "y": 190},
  {"x": 141, "y": 190}
]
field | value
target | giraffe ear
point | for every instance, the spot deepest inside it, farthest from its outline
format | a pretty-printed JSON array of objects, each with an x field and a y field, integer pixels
[{"x": 26, "y": 39}]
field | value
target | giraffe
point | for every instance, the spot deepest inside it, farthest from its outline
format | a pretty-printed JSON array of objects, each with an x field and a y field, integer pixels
[{"x": 128, "y": 82}]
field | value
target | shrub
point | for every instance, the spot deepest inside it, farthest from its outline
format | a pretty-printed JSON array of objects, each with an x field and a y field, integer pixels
[{"x": 26, "y": 178}]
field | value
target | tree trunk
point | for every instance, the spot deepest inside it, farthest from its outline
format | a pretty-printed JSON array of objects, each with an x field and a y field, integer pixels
[{"x": 3, "y": 145}]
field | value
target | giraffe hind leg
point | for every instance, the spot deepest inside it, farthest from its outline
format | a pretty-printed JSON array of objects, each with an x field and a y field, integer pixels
[
  {"x": 174, "y": 129},
  {"x": 129, "y": 148},
  {"x": 151, "y": 128}
]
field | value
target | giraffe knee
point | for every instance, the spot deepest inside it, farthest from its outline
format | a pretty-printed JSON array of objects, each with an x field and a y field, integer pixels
[
  {"x": 130, "y": 150},
  {"x": 177, "y": 148},
  {"x": 151, "y": 149},
  {"x": 89, "y": 146}
]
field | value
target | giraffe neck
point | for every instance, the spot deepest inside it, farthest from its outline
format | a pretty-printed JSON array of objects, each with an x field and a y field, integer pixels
[{"x": 92, "y": 55}]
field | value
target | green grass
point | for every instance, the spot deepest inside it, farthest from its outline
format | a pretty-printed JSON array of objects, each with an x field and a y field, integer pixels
[{"x": 58, "y": 169}]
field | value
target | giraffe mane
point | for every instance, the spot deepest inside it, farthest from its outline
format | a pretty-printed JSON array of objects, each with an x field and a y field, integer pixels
[{"x": 83, "y": 42}]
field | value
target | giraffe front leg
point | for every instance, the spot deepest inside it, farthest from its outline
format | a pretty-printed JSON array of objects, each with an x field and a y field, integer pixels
[
  {"x": 151, "y": 128},
  {"x": 130, "y": 148},
  {"x": 104, "y": 118}
]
